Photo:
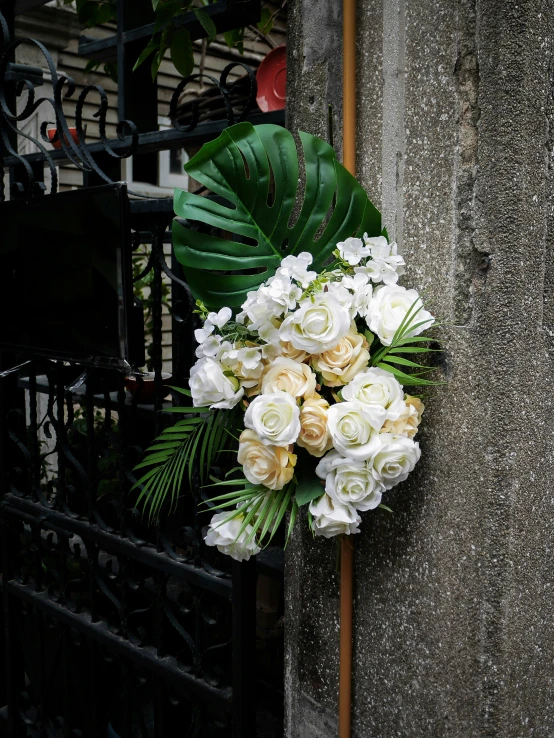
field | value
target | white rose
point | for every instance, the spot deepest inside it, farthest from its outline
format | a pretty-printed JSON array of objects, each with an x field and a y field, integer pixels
[
  {"x": 332, "y": 519},
  {"x": 354, "y": 428},
  {"x": 275, "y": 418},
  {"x": 377, "y": 387},
  {"x": 389, "y": 307},
  {"x": 395, "y": 459},
  {"x": 352, "y": 250},
  {"x": 318, "y": 324},
  {"x": 286, "y": 375},
  {"x": 350, "y": 482},
  {"x": 271, "y": 466},
  {"x": 223, "y": 535},
  {"x": 209, "y": 386}
]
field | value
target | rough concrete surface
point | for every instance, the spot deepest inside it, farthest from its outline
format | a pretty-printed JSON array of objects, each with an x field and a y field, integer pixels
[{"x": 453, "y": 610}]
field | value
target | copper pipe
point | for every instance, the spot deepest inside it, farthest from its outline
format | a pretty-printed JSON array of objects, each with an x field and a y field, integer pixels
[
  {"x": 349, "y": 85},
  {"x": 347, "y": 549}
]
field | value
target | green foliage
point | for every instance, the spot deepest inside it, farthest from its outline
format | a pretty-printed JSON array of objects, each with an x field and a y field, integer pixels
[
  {"x": 109, "y": 68},
  {"x": 167, "y": 34},
  {"x": 309, "y": 485},
  {"x": 259, "y": 507},
  {"x": 267, "y": 20},
  {"x": 390, "y": 358},
  {"x": 256, "y": 170},
  {"x": 142, "y": 290},
  {"x": 181, "y": 52},
  {"x": 193, "y": 442}
]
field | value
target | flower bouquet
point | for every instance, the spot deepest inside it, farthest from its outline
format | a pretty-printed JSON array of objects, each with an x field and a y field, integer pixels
[{"x": 302, "y": 362}]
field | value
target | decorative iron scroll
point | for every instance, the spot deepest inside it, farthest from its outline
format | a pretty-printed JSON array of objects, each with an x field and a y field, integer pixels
[
  {"x": 76, "y": 151},
  {"x": 232, "y": 101}
]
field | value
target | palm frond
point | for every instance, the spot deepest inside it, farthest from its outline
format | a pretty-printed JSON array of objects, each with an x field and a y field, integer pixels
[{"x": 389, "y": 358}]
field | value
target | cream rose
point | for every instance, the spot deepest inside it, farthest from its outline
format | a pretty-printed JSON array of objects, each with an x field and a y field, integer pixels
[
  {"x": 407, "y": 423},
  {"x": 354, "y": 428},
  {"x": 225, "y": 536},
  {"x": 314, "y": 433},
  {"x": 275, "y": 418},
  {"x": 350, "y": 482},
  {"x": 340, "y": 364},
  {"x": 271, "y": 466},
  {"x": 210, "y": 386},
  {"x": 377, "y": 387},
  {"x": 389, "y": 307},
  {"x": 332, "y": 519},
  {"x": 317, "y": 325},
  {"x": 395, "y": 459},
  {"x": 290, "y": 352},
  {"x": 286, "y": 375}
]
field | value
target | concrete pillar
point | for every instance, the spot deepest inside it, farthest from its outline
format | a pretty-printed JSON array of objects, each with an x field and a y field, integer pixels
[{"x": 453, "y": 612}]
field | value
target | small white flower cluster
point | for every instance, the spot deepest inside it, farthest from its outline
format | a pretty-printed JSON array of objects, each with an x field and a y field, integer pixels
[{"x": 297, "y": 336}]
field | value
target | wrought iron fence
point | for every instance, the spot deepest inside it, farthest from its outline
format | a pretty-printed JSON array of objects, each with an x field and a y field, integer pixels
[{"x": 112, "y": 625}]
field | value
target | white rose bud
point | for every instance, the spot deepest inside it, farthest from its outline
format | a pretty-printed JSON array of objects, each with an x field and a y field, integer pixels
[
  {"x": 395, "y": 459},
  {"x": 225, "y": 537},
  {"x": 275, "y": 418},
  {"x": 350, "y": 482},
  {"x": 333, "y": 519},
  {"x": 389, "y": 307},
  {"x": 286, "y": 375},
  {"x": 317, "y": 325},
  {"x": 210, "y": 386},
  {"x": 354, "y": 428}
]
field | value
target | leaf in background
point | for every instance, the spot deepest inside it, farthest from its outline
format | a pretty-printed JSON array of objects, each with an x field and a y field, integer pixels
[
  {"x": 181, "y": 52},
  {"x": 242, "y": 166},
  {"x": 308, "y": 488},
  {"x": 207, "y": 23},
  {"x": 235, "y": 39},
  {"x": 265, "y": 24},
  {"x": 150, "y": 47}
]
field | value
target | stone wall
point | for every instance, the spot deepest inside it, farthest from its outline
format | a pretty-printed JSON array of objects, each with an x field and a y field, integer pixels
[{"x": 453, "y": 607}]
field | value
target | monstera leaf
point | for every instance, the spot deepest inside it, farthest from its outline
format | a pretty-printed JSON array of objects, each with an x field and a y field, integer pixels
[{"x": 254, "y": 173}]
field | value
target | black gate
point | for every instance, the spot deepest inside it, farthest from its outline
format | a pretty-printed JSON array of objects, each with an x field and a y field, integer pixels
[{"x": 112, "y": 626}]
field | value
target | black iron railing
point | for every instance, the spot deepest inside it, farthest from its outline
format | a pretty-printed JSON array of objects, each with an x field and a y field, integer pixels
[{"x": 112, "y": 625}]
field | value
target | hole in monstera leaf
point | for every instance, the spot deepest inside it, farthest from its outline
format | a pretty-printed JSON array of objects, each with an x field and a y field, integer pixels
[
  {"x": 271, "y": 190},
  {"x": 324, "y": 222},
  {"x": 246, "y": 168}
]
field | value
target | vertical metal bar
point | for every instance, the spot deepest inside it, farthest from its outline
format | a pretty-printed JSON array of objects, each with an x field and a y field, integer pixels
[
  {"x": 34, "y": 447},
  {"x": 127, "y": 709},
  {"x": 13, "y": 656},
  {"x": 91, "y": 456},
  {"x": 244, "y": 649},
  {"x": 157, "y": 246}
]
